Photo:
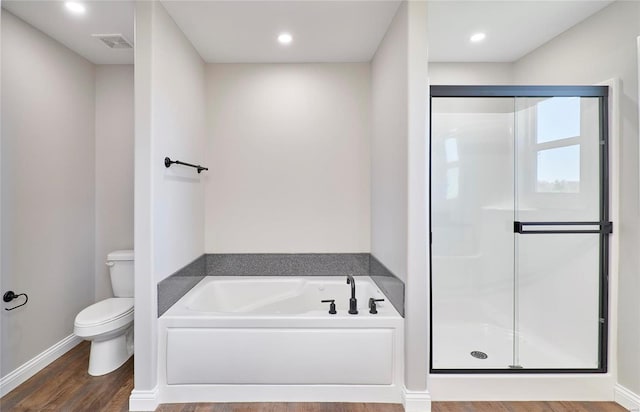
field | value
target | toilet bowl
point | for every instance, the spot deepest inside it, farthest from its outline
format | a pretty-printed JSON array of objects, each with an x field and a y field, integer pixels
[{"x": 108, "y": 324}]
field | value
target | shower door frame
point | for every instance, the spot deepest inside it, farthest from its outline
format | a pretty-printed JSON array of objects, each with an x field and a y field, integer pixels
[{"x": 605, "y": 225}]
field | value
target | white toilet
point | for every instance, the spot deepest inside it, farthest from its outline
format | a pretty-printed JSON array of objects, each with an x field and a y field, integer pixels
[{"x": 108, "y": 324}]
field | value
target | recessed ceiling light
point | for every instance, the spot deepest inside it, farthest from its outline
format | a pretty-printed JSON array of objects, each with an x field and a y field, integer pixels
[
  {"x": 75, "y": 7},
  {"x": 478, "y": 37},
  {"x": 285, "y": 38}
]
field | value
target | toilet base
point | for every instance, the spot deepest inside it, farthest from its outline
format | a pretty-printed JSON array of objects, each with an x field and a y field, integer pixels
[{"x": 108, "y": 355}]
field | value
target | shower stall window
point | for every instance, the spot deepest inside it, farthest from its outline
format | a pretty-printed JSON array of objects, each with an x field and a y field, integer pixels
[
  {"x": 557, "y": 144},
  {"x": 519, "y": 226}
]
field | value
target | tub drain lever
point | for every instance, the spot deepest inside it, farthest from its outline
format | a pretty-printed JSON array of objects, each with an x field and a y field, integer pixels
[
  {"x": 372, "y": 305},
  {"x": 332, "y": 306}
]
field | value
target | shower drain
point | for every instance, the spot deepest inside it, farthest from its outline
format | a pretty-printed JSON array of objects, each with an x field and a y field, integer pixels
[{"x": 479, "y": 355}]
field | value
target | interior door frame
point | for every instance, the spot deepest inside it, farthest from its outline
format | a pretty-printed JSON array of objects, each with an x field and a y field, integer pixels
[{"x": 600, "y": 92}]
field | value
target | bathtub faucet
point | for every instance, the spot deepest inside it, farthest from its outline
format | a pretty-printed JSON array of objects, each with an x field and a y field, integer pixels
[{"x": 353, "y": 303}]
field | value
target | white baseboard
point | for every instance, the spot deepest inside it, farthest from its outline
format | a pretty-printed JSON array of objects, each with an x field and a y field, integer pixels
[
  {"x": 230, "y": 393},
  {"x": 626, "y": 398},
  {"x": 36, "y": 364},
  {"x": 416, "y": 401},
  {"x": 143, "y": 400}
]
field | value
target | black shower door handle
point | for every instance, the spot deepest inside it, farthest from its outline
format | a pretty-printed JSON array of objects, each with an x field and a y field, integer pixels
[{"x": 602, "y": 228}]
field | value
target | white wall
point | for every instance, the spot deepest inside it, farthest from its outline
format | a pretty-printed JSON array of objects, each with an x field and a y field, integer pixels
[
  {"x": 178, "y": 131},
  {"x": 1, "y": 195},
  {"x": 389, "y": 147},
  {"x": 470, "y": 73},
  {"x": 48, "y": 113},
  {"x": 288, "y": 152},
  {"x": 600, "y": 48},
  {"x": 169, "y": 203},
  {"x": 146, "y": 293},
  {"x": 114, "y": 168},
  {"x": 399, "y": 183},
  {"x": 417, "y": 282}
]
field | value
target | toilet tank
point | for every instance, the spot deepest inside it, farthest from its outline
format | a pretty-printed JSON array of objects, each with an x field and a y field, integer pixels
[{"x": 120, "y": 264}]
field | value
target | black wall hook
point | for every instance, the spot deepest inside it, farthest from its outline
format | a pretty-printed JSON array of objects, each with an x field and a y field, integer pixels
[{"x": 10, "y": 295}]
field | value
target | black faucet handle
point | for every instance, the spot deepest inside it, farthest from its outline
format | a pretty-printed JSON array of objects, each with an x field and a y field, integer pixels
[
  {"x": 372, "y": 305},
  {"x": 332, "y": 305}
]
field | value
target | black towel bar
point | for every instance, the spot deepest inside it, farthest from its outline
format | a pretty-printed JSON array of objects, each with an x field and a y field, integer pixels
[{"x": 168, "y": 162}]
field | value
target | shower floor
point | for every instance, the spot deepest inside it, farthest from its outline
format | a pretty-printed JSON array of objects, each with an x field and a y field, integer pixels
[{"x": 453, "y": 344}]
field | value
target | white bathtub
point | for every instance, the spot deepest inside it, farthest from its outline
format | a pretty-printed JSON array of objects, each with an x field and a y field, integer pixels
[{"x": 261, "y": 339}]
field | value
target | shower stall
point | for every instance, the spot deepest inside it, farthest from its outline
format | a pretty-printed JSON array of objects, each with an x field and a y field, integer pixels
[{"x": 519, "y": 229}]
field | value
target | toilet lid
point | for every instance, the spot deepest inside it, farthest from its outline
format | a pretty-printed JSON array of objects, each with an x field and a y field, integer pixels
[{"x": 105, "y": 311}]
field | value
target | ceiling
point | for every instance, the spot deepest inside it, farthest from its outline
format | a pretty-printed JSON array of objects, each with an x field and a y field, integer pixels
[
  {"x": 323, "y": 30},
  {"x": 101, "y": 17},
  {"x": 246, "y": 31},
  {"x": 513, "y": 28}
]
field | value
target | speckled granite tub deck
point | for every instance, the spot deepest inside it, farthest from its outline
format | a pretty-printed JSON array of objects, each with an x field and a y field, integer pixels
[{"x": 171, "y": 289}]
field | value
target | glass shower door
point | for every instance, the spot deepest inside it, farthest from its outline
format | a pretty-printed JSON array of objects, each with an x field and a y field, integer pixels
[
  {"x": 557, "y": 233},
  {"x": 519, "y": 229},
  {"x": 472, "y": 146}
]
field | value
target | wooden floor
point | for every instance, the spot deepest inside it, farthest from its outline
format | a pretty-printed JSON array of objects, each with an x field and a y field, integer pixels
[
  {"x": 373, "y": 407},
  {"x": 65, "y": 386}
]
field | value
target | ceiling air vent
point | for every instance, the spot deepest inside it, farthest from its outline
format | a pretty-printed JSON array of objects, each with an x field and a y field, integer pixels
[{"x": 113, "y": 41}]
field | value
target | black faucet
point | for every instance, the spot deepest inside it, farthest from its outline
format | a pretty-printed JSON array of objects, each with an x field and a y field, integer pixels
[{"x": 353, "y": 303}]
